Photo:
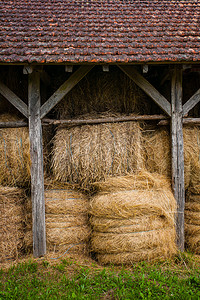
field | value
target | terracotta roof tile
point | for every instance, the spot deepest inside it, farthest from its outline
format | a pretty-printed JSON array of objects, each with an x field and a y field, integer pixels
[{"x": 106, "y": 31}]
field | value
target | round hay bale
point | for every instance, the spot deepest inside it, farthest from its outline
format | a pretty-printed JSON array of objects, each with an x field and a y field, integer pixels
[
  {"x": 192, "y": 223},
  {"x": 66, "y": 221},
  {"x": 65, "y": 202},
  {"x": 134, "y": 203},
  {"x": 192, "y": 237},
  {"x": 192, "y": 154},
  {"x": 192, "y": 218},
  {"x": 89, "y": 153},
  {"x": 128, "y": 258},
  {"x": 136, "y": 223},
  {"x": 133, "y": 241},
  {"x": 11, "y": 222}
]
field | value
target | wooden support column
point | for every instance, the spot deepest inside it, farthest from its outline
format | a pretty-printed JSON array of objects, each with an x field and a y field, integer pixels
[
  {"x": 37, "y": 177},
  {"x": 178, "y": 153}
]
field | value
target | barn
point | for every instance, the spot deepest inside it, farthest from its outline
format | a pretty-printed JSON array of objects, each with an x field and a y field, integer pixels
[{"x": 75, "y": 63}]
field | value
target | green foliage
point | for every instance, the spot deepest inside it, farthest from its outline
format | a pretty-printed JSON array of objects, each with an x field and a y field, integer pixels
[{"x": 70, "y": 280}]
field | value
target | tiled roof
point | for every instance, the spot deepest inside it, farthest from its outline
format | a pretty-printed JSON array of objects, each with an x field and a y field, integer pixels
[{"x": 107, "y": 31}]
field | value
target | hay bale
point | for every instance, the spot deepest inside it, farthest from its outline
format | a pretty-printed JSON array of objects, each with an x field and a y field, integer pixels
[
  {"x": 66, "y": 221},
  {"x": 192, "y": 223},
  {"x": 11, "y": 222},
  {"x": 133, "y": 241},
  {"x": 133, "y": 218},
  {"x": 85, "y": 154},
  {"x": 192, "y": 154},
  {"x": 14, "y": 154},
  {"x": 15, "y": 163},
  {"x": 157, "y": 153}
]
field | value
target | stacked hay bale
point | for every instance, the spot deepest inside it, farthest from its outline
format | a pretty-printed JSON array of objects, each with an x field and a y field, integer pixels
[
  {"x": 89, "y": 153},
  {"x": 66, "y": 221},
  {"x": 11, "y": 222},
  {"x": 133, "y": 219},
  {"x": 192, "y": 223},
  {"x": 157, "y": 153}
]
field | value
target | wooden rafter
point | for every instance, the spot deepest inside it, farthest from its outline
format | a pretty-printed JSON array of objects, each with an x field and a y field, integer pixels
[
  {"x": 191, "y": 102},
  {"x": 64, "y": 89},
  {"x": 13, "y": 99},
  {"x": 131, "y": 72}
]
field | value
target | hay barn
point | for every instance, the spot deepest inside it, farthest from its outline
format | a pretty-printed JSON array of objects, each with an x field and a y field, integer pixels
[{"x": 99, "y": 95}]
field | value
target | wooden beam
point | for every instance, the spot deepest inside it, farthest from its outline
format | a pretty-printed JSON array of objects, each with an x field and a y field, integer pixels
[
  {"x": 191, "y": 102},
  {"x": 178, "y": 153},
  {"x": 131, "y": 72},
  {"x": 64, "y": 89},
  {"x": 13, "y": 99},
  {"x": 37, "y": 177},
  {"x": 73, "y": 122},
  {"x": 186, "y": 121}
]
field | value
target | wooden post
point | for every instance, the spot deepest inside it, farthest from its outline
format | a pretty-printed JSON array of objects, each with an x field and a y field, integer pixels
[
  {"x": 178, "y": 153},
  {"x": 37, "y": 176}
]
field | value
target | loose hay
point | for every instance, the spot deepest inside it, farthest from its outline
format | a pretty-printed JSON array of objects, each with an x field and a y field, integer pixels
[
  {"x": 192, "y": 223},
  {"x": 85, "y": 154},
  {"x": 135, "y": 223},
  {"x": 157, "y": 153},
  {"x": 11, "y": 222},
  {"x": 66, "y": 221}
]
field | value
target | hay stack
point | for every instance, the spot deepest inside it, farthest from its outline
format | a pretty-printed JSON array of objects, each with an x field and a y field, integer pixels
[
  {"x": 133, "y": 219},
  {"x": 11, "y": 222},
  {"x": 157, "y": 153},
  {"x": 85, "y": 154},
  {"x": 66, "y": 221},
  {"x": 99, "y": 92},
  {"x": 192, "y": 223}
]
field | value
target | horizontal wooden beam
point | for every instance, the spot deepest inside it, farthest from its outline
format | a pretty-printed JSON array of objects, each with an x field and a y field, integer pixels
[
  {"x": 64, "y": 89},
  {"x": 72, "y": 122},
  {"x": 104, "y": 120},
  {"x": 186, "y": 121},
  {"x": 13, "y": 99},
  {"x": 148, "y": 88},
  {"x": 191, "y": 102}
]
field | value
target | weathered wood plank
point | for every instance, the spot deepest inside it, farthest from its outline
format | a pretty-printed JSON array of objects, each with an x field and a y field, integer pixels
[
  {"x": 14, "y": 124},
  {"x": 37, "y": 177},
  {"x": 191, "y": 102},
  {"x": 131, "y": 72},
  {"x": 178, "y": 153},
  {"x": 64, "y": 89},
  {"x": 13, "y": 99},
  {"x": 104, "y": 120},
  {"x": 186, "y": 121}
]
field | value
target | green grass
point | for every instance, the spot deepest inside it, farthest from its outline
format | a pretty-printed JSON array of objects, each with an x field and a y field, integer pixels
[{"x": 68, "y": 279}]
